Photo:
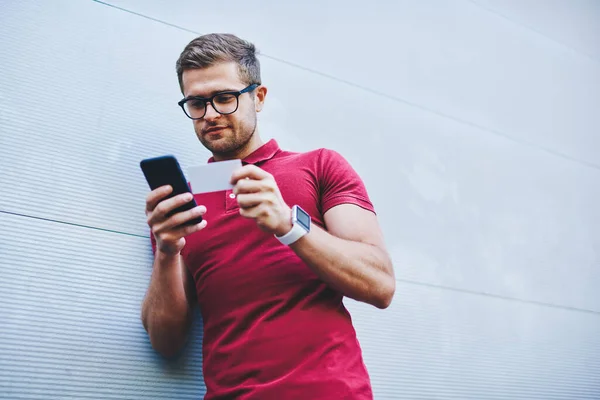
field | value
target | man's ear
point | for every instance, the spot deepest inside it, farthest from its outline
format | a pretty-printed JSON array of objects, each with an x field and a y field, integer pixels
[{"x": 259, "y": 101}]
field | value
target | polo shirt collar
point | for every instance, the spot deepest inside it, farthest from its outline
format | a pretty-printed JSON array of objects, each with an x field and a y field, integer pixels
[{"x": 263, "y": 153}]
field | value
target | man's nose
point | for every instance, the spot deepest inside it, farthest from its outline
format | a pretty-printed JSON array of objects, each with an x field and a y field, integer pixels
[{"x": 211, "y": 113}]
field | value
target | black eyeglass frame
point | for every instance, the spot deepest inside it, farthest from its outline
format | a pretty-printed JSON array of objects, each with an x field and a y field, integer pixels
[{"x": 207, "y": 100}]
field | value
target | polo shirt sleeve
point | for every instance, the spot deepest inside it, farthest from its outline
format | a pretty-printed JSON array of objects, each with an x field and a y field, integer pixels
[{"x": 339, "y": 183}]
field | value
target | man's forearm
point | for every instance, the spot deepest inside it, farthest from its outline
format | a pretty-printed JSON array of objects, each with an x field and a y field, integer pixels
[
  {"x": 166, "y": 313},
  {"x": 358, "y": 270}
]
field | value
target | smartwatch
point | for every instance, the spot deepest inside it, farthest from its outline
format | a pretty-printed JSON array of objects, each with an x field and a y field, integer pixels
[{"x": 300, "y": 226}]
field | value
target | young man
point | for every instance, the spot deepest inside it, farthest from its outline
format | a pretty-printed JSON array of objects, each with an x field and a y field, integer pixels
[{"x": 269, "y": 282}]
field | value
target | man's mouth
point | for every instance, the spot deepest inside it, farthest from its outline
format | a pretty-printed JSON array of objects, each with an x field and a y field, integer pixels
[{"x": 214, "y": 129}]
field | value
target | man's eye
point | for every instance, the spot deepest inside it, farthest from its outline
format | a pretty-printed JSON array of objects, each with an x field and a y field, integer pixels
[
  {"x": 224, "y": 98},
  {"x": 198, "y": 104}
]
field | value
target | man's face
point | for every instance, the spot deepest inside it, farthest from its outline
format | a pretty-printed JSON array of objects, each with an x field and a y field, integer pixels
[{"x": 223, "y": 134}]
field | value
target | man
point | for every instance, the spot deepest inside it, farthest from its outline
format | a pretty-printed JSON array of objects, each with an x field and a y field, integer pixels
[{"x": 268, "y": 282}]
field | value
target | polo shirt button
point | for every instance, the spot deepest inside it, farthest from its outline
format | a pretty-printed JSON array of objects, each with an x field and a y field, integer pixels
[{"x": 232, "y": 195}]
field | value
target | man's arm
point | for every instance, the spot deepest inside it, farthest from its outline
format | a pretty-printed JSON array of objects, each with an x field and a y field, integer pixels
[
  {"x": 167, "y": 307},
  {"x": 350, "y": 256}
]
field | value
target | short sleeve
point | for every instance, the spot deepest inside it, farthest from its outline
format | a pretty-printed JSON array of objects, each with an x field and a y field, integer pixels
[{"x": 339, "y": 183}]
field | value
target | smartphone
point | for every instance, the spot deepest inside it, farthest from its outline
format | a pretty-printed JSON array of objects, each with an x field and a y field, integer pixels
[{"x": 165, "y": 170}]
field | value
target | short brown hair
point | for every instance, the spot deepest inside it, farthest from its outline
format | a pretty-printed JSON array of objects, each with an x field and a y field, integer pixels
[{"x": 213, "y": 48}]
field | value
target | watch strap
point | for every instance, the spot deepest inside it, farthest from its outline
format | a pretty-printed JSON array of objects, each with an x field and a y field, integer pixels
[{"x": 293, "y": 235}]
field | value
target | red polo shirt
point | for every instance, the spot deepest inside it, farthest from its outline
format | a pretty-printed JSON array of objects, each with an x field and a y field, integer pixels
[{"x": 272, "y": 328}]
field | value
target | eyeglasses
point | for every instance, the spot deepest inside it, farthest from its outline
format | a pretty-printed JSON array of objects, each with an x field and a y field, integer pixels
[{"x": 223, "y": 102}]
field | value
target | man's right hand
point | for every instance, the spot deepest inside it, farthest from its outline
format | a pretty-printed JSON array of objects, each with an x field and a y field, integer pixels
[{"x": 170, "y": 232}]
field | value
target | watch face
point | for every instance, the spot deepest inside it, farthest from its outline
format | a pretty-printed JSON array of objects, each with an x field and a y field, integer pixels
[{"x": 303, "y": 218}]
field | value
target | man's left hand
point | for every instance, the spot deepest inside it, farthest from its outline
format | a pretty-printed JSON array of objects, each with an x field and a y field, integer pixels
[{"x": 259, "y": 198}]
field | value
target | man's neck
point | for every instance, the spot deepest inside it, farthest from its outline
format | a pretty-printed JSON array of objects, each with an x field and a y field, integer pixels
[{"x": 250, "y": 147}]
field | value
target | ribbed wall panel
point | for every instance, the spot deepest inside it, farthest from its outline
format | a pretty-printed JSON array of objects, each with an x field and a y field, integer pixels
[
  {"x": 99, "y": 127},
  {"x": 71, "y": 327},
  {"x": 454, "y": 58},
  {"x": 490, "y": 211},
  {"x": 70, "y": 311},
  {"x": 459, "y": 346},
  {"x": 519, "y": 212}
]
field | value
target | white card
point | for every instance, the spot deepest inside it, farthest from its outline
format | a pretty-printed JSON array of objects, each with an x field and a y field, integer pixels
[{"x": 212, "y": 177}]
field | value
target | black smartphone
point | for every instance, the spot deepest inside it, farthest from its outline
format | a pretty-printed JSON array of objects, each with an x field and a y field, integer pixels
[{"x": 165, "y": 170}]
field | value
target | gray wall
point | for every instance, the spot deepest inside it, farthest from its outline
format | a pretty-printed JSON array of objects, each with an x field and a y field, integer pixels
[{"x": 474, "y": 124}]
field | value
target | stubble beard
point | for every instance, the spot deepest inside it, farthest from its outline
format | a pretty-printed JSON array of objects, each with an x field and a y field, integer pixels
[{"x": 232, "y": 144}]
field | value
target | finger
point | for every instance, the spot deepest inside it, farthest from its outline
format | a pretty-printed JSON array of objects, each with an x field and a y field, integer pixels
[
  {"x": 250, "y": 186},
  {"x": 166, "y": 206},
  {"x": 155, "y": 196},
  {"x": 260, "y": 212},
  {"x": 250, "y": 212},
  {"x": 183, "y": 231},
  {"x": 189, "y": 229},
  {"x": 180, "y": 218},
  {"x": 249, "y": 200},
  {"x": 185, "y": 217},
  {"x": 249, "y": 171}
]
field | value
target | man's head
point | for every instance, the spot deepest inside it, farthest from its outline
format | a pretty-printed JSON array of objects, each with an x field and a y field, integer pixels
[{"x": 216, "y": 63}]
